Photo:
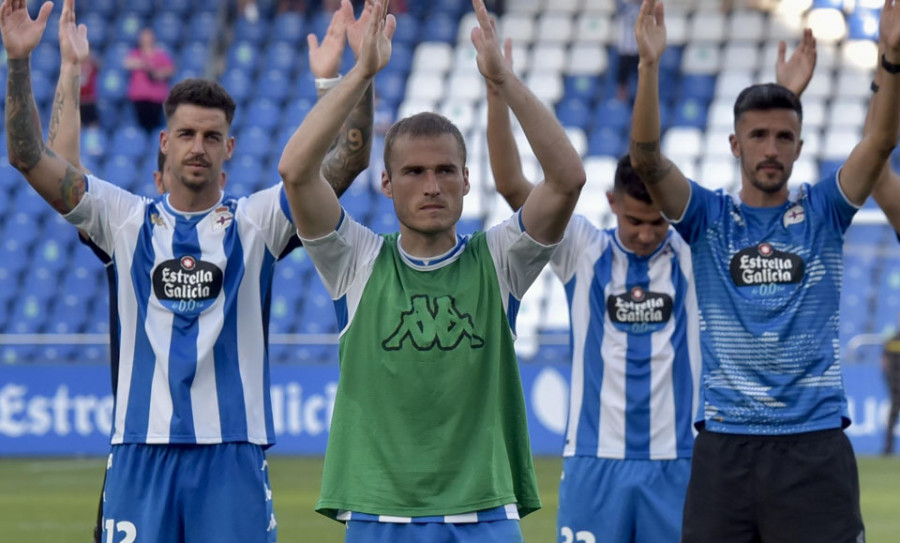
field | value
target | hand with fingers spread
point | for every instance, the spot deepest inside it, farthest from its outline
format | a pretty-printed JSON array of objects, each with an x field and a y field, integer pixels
[
  {"x": 357, "y": 29},
  {"x": 795, "y": 72},
  {"x": 508, "y": 58},
  {"x": 325, "y": 58},
  {"x": 650, "y": 31},
  {"x": 491, "y": 63},
  {"x": 21, "y": 34},
  {"x": 376, "y": 45},
  {"x": 73, "y": 43}
]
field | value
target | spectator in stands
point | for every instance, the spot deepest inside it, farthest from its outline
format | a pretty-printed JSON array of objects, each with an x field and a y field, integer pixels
[
  {"x": 890, "y": 361},
  {"x": 767, "y": 265},
  {"x": 249, "y": 10},
  {"x": 175, "y": 429},
  {"x": 151, "y": 68},
  {"x": 90, "y": 72},
  {"x": 627, "y": 46},
  {"x": 428, "y": 439}
]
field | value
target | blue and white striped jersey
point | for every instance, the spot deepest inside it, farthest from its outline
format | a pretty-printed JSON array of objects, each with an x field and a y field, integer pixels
[
  {"x": 635, "y": 346},
  {"x": 193, "y": 300},
  {"x": 769, "y": 288}
]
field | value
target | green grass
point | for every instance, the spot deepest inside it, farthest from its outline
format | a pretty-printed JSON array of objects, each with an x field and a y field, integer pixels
[{"x": 55, "y": 500}]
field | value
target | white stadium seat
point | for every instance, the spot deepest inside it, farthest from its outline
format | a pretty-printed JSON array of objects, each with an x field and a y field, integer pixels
[{"x": 586, "y": 59}]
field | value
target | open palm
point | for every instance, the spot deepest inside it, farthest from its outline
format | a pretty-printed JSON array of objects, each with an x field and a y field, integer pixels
[
  {"x": 889, "y": 26},
  {"x": 376, "y": 46},
  {"x": 325, "y": 58},
  {"x": 21, "y": 34},
  {"x": 491, "y": 63},
  {"x": 73, "y": 42},
  {"x": 650, "y": 31}
]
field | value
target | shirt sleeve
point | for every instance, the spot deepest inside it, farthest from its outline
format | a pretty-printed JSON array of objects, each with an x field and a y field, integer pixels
[
  {"x": 268, "y": 209},
  {"x": 703, "y": 207},
  {"x": 827, "y": 200},
  {"x": 564, "y": 261},
  {"x": 103, "y": 210},
  {"x": 518, "y": 258},
  {"x": 344, "y": 255}
]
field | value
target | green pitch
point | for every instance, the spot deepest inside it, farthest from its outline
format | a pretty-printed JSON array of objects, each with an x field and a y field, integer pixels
[{"x": 55, "y": 501}]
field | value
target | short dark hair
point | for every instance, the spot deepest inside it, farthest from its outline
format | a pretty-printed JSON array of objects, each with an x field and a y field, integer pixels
[
  {"x": 160, "y": 161},
  {"x": 764, "y": 97},
  {"x": 426, "y": 124},
  {"x": 200, "y": 92},
  {"x": 628, "y": 181}
]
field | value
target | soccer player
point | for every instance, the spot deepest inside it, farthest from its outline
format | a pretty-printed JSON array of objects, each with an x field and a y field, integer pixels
[
  {"x": 193, "y": 273},
  {"x": 428, "y": 438},
  {"x": 771, "y": 462}
]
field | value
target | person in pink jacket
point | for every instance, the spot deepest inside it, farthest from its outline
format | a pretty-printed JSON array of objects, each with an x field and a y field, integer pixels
[{"x": 151, "y": 67}]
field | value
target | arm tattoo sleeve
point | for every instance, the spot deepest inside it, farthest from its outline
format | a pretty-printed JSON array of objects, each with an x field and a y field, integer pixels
[
  {"x": 350, "y": 154},
  {"x": 23, "y": 125},
  {"x": 72, "y": 187},
  {"x": 59, "y": 101},
  {"x": 654, "y": 166}
]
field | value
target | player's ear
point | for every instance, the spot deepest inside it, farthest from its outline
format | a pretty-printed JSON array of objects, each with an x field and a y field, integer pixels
[
  {"x": 386, "y": 188},
  {"x": 611, "y": 198},
  {"x": 735, "y": 146},
  {"x": 466, "y": 185}
]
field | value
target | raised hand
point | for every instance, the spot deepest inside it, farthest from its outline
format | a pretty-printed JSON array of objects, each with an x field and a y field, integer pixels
[
  {"x": 889, "y": 30},
  {"x": 21, "y": 34},
  {"x": 490, "y": 60},
  {"x": 796, "y": 72},
  {"x": 325, "y": 58},
  {"x": 508, "y": 58},
  {"x": 73, "y": 43},
  {"x": 357, "y": 29},
  {"x": 376, "y": 45},
  {"x": 650, "y": 31}
]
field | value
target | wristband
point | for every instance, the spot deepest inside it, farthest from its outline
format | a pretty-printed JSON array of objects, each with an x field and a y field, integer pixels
[
  {"x": 326, "y": 83},
  {"x": 874, "y": 86},
  {"x": 888, "y": 67}
]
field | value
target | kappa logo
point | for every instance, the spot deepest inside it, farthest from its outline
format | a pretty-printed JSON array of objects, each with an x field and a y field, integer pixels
[
  {"x": 794, "y": 215},
  {"x": 431, "y": 323}
]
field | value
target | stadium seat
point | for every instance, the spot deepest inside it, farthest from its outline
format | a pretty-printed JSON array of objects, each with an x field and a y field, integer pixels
[
  {"x": 431, "y": 56},
  {"x": 168, "y": 29},
  {"x": 682, "y": 141},
  {"x": 465, "y": 86},
  {"x": 251, "y": 31},
  {"x": 243, "y": 55},
  {"x": 613, "y": 114},
  {"x": 549, "y": 57},
  {"x": 439, "y": 28},
  {"x": 707, "y": 26},
  {"x": 127, "y": 27},
  {"x": 518, "y": 27},
  {"x": 555, "y": 27},
  {"x": 584, "y": 88},
  {"x": 272, "y": 85},
  {"x": 427, "y": 86},
  {"x": 294, "y": 113},
  {"x": 718, "y": 173},
  {"x": 290, "y": 27},
  {"x": 119, "y": 170},
  {"x": 129, "y": 142},
  {"x": 237, "y": 82},
  {"x": 746, "y": 26},
  {"x": 701, "y": 58},
  {"x": 204, "y": 26},
  {"x": 255, "y": 142},
  {"x": 407, "y": 32},
  {"x": 548, "y": 86},
  {"x": 828, "y": 25},
  {"x": 690, "y": 112},
  {"x": 847, "y": 113},
  {"x": 606, "y": 141},
  {"x": 45, "y": 58},
  {"x": 862, "y": 24},
  {"x": 586, "y": 59},
  {"x": 574, "y": 113},
  {"x": 390, "y": 86}
]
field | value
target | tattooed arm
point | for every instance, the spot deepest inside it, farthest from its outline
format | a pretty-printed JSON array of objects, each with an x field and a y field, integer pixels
[
  {"x": 666, "y": 184},
  {"x": 64, "y": 136},
  {"x": 57, "y": 181},
  {"x": 349, "y": 154},
  {"x": 314, "y": 206}
]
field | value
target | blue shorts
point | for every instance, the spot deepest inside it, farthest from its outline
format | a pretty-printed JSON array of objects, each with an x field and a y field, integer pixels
[
  {"x": 188, "y": 494},
  {"x": 621, "y": 501},
  {"x": 507, "y": 531}
]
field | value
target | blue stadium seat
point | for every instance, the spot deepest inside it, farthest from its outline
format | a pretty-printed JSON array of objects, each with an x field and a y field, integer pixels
[
  {"x": 203, "y": 24},
  {"x": 104, "y": 8},
  {"x": 129, "y": 142},
  {"x": 193, "y": 55},
  {"x": 833, "y": 4},
  {"x": 113, "y": 84},
  {"x": 119, "y": 170},
  {"x": 390, "y": 86},
  {"x": 670, "y": 63},
  {"x": 127, "y": 27},
  {"x": 254, "y": 141},
  {"x": 304, "y": 86},
  {"x": 401, "y": 58},
  {"x": 702, "y": 87},
  {"x": 68, "y": 315},
  {"x": 384, "y": 222},
  {"x": 291, "y": 27},
  {"x": 9, "y": 288},
  {"x": 283, "y": 56},
  {"x": 612, "y": 113},
  {"x": 139, "y": 7},
  {"x": 17, "y": 354},
  {"x": 29, "y": 315},
  {"x": 407, "y": 32},
  {"x": 283, "y": 311},
  {"x": 581, "y": 87},
  {"x": 51, "y": 37},
  {"x": 440, "y": 27},
  {"x": 862, "y": 24},
  {"x": 169, "y": 29},
  {"x": 180, "y": 7},
  {"x": 50, "y": 254},
  {"x": 237, "y": 83},
  {"x": 243, "y": 55},
  {"x": 293, "y": 114},
  {"x": 29, "y": 202},
  {"x": 262, "y": 113},
  {"x": 272, "y": 85},
  {"x": 253, "y": 32},
  {"x": 245, "y": 170},
  {"x": 9, "y": 176},
  {"x": 98, "y": 30},
  {"x": 43, "y": 86},
  {"x": 690, "y": 112},
  {"x": 451, "y": 8},
  {"x": 606, "y": 141},
  {"x": 573, "y": 113},
  {"x": 828, "y": 167}
]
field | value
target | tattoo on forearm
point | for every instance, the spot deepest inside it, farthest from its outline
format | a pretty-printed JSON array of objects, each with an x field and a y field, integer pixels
[
  {"x": 350, "y": 154},
  {"x": 23, "y": 125},
  {"x": 654, "y": 166},
  {"x": 71, "y": 188}
]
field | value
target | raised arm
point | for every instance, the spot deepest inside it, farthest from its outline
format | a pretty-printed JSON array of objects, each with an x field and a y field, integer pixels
[
  {"x": 886, "y": 191},
  {"x": 546, "y": 211},
  {"x": 351, "y": 149},
  {"x": 864, "y": 167},
  {"x": 57, "y": 181},
  {"x": 314, "y": 205},
  {"x": 666, "y": 184},
  {"x": 64, "y": 135},
  {"x": 795, "y": 73},
  {"x": 506, "y": 164}
]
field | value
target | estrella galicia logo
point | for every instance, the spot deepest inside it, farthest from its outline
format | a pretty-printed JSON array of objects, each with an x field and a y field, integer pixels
[
  {"x": 763, "y": 264},
  {"x": 639, "y": 310},
  {"x": 187, "y": 285},
  {"x": 431, "y": 323}
]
